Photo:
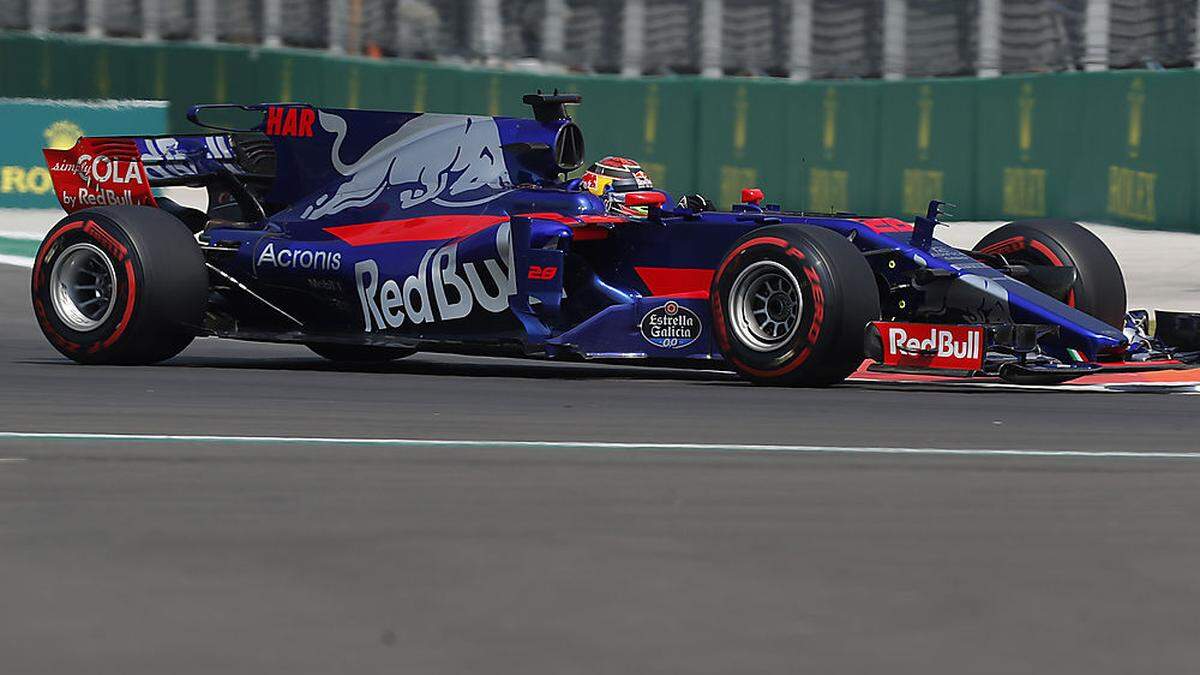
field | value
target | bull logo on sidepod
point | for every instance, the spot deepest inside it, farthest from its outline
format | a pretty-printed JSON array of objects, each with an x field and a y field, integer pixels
[{"x": 431, "y": 158}]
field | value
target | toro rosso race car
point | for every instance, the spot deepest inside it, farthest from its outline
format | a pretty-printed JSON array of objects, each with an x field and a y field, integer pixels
[{"x": 370, "y": 235}]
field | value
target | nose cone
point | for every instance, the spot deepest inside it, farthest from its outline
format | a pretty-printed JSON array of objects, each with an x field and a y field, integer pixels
[{"x": 1076, "y": 329}]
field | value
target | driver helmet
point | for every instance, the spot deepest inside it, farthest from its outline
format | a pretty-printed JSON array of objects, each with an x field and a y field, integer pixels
[{"x": 611, "y": 178}]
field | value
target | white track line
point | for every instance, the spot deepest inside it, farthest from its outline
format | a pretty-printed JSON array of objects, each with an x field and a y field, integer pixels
[
  {"x": 18, "y": 260},
  {"x": 587, "y": 445}
]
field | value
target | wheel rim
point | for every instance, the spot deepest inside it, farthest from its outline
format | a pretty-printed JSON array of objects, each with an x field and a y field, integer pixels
[
  {"x": 765, "y": 304},
  {"x": 82, "y": 282}
]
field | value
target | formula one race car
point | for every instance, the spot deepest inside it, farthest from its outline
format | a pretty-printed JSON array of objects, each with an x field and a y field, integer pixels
[{"x": 369, "y": 236}]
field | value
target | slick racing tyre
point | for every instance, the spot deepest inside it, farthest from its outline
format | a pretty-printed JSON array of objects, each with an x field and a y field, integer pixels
[
  {"x": 119, "y": 285},
  {"x": 790, "y": 304},
  {"x": 343, "y": 353},
  {"x": 1099, "y": 287}
]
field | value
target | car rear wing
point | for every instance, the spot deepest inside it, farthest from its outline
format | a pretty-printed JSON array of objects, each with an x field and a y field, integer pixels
[{"x": 107, "y": 170}]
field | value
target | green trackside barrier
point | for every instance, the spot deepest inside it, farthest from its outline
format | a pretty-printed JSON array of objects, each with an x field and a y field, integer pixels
[
  {"x": 1117, "y": 147},
  {"x": 741, "y": 141},
  {"x": 927, "y": 146},
  {"x": 1114, "y": 147},
  {"x": 652, "y": 121},
  {"x": 33, "y": 124},
  {"x": 494, "y": 93},
  {"x": 661, "y": 122},
  {"x": 1136, "y": 152},
  {"x": 211, "y": 74},
  {"x": 1025, "y": 161},
  {"x": 833, "y": 141}
]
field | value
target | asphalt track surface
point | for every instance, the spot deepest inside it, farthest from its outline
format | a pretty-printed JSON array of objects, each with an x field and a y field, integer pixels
[{"x": 204, "y": 556}]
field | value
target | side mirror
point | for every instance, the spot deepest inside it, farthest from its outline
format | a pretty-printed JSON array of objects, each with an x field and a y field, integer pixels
[
  {"x": 651, "y": 199},
  {"x": 648, "y": 198}
]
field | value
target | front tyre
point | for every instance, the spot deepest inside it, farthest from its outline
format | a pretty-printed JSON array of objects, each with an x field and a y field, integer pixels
[
  {"x": 119, "y": 285},
  {"x": 1099, "y": 287},
  {"x": 790, "y": 304}
]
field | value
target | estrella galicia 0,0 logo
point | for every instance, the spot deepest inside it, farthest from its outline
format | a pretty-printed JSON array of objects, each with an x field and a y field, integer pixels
[{"x": 671, "y": 326}]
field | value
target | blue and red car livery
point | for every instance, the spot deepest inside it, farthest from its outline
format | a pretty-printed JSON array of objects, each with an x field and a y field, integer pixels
[{"x": 370, "y": 234}]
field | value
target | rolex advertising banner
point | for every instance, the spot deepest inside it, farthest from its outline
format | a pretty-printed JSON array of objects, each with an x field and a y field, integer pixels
[
  {"x": 742, "y": 140},
  {"x": 833, "y": 147},
  {"x": 1109, "y": 147},
  {"x": 927, "y": 147},
  {"x": 1030, "y": 155},
  {"x": 31, "y": 125},
  {"x": 651, "y": 121},
  {"x": 1136, "y": 155}
]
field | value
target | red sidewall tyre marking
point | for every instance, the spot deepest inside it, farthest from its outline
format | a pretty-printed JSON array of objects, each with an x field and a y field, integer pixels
[
  {"x": 113, "y": 247},
  {"x": 1054, "y": 260},
  {"x": 1022, "y": 243},
  {"x": 715, "y": 295},
  {"x": 784, "y": 370},
  {"x": 39, "y": 308},
  {"x": 1005, "y": 246},
  {"x": 41, "y": 254},
  {"x": 130, "y": 295},
  {"x": 1045, "y": 250},
  {"x": 818, "y": 303}
]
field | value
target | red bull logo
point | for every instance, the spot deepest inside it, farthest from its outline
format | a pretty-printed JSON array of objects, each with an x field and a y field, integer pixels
[
  {"x": 442, "y": 289},
  {"x": 932, "y": 346},
  {"x": 449, "y": 160}
]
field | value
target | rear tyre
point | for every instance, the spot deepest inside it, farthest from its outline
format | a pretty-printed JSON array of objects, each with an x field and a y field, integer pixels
[
  {"x": 342, "y": 353},
  {"x": 119, "y": 285},
  {"x": 790, "y": 304},
  {"x": 1099, "y": 287}
]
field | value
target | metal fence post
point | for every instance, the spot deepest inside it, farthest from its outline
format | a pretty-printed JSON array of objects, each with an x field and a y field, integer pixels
[
  {"x": 633, "y": 37},
  {"x": 711, "y": 21},
  {"x": 152, "y": 19},
  {"x": 39, "y": 16},
  {"x": 487, "y": 29},
  {"x": 554, "y": 31},
  {"x": 354, "y": 27},
  {"x": 1196, "y": 37},
  {"x": 272, "y": 19},
  {"x": 894, "y": 17},
  {"x": 93, "y": 18},
  {"x": 800, "y": 57},
  {"x": 402, "y": 46},
  {"x": 206, "y": 20},
  {"x": 1095, "y": 30},
  {"x": 989, "y": 39},
  {"x": 336, "y": 28}
]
